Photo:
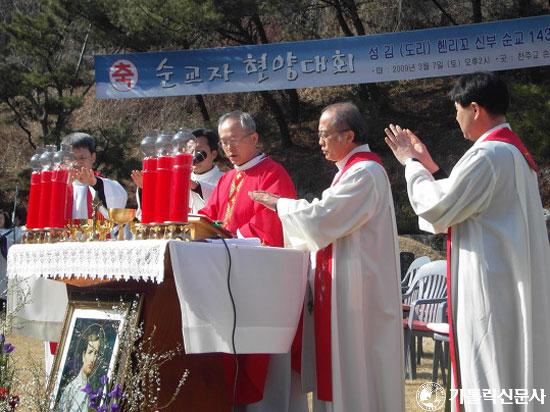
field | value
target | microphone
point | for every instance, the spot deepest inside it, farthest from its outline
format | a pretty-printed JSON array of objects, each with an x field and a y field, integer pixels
[{"x": 199, "y": 157}]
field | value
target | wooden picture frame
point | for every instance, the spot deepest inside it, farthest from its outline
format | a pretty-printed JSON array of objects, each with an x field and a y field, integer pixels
[{"x": 90, "y": 348}]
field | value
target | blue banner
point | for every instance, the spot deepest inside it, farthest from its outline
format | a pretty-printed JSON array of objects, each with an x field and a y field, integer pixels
[{"x": 501, "y": 45}]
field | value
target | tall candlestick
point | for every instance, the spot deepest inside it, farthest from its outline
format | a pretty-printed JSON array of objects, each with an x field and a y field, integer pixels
[
  {"x": 34, "y": 200},
  {"x": 148, "y": 203},
  {"x": 59, "y": 215},
  {"x": 58, "y": 209},
  {"x": 179, "y": 188},
  {"x": 162, "y": 193},
  {"x": 46, "y": 159},
  {"x": 34, "y": 190}
]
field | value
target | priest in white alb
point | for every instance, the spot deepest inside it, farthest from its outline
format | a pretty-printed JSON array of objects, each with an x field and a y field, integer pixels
[
  {"x": 88, "y": 183},
  {"x": 356, "y": 287},
  {"x": 499, "y": 257}
]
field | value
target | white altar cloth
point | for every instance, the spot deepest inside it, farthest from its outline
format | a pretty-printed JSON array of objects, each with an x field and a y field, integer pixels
[{"x": 268, "y": 286}]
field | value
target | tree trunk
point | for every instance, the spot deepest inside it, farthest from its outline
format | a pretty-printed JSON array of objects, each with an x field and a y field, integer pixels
[
  {"x": 477, "y": 17},
  {"x": 202, "y": 108},
  {"x": 286, "y": 141},
  {"x": 524, "y": 7},
  {"x": 354, "y": 14},
  {"x": 294, "y": 100},
  {"x": 341, "y": 20},
  {"x": 293, "y": 105}
]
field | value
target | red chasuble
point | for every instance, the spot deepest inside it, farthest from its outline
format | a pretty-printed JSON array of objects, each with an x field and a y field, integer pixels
[
  {"x": 251, "y": 218},
  {"x": 322, "y": 306},
  {"x": 231, "y": 204},
  {"x": 504, "y": 135}
]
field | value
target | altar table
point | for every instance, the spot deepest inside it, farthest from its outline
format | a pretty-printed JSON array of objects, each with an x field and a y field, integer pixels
[{"x": 186, "y": 299}]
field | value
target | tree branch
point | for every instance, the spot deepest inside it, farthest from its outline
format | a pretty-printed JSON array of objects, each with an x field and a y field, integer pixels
[{"x": 444, "y": 12}]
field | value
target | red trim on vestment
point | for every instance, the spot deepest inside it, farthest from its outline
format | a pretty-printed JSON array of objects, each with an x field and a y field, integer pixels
[
  {"x": 322, "y": 306},
  {"x": 504, "y": 135}
]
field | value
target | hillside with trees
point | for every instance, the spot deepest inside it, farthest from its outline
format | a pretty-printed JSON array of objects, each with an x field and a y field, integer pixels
[{"x": 47, "y": 50}]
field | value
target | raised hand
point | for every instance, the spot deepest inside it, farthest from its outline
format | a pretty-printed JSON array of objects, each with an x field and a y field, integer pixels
[
  {"x": 405, "y": 144},
  {"x": 85, "y": 176},
  {"x": 137, "y": 177}
]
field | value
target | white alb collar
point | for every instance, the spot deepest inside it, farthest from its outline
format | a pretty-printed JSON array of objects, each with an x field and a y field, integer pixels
[
  {"x": 341, "y": 163},
  {"x": 488, "y": 132},
  {"x": 251, "y": 163},
  {"x": 205, "y": 175}
]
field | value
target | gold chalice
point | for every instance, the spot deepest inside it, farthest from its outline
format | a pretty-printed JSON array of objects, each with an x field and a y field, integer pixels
[{"x": 121, "y": 217}]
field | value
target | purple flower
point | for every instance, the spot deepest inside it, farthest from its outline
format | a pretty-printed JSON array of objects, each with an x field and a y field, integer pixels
[
  {"x": 8, "y": 348},
  {"x": 116, "y": 392},
  {"x": 92, "y": 404},
  {"x": 115, "y": 407},
  {"x": 87, "y": 389},
  {"x": 102, "y": 408},
  {"x": 94, "y": 395},
  {"x": 104, "y": 379}
]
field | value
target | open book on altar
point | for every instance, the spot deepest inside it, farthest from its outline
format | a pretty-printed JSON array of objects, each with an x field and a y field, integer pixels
[{"x": 203, "y": 227}]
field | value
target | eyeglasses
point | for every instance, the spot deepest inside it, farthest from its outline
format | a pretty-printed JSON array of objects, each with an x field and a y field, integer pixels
[
  {"x": 82, "y": 158},
  {"x": 233, "y": 140},
  {"x": 324, "y": 135}
]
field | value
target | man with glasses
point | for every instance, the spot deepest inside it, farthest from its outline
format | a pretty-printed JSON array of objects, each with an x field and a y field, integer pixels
[
  {"x": 206, "y": 174},
  {"x": 87, "y": 183},
  {"x": 252, "y": 170},
  {"x": 242, "y": 216},
  {"x": 356, "y": 303}
]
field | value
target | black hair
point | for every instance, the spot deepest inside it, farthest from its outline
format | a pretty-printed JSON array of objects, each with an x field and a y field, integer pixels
[
  {"x": 210, "y": 135},
  {"x": 80, "y": 140},
  {"x": 347, "y": 115},
  {"x": 484, "y": 88}
]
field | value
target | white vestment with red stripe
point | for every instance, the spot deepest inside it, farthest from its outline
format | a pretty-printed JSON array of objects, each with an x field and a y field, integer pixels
[
  {"x": 356, "y": 215},
  {"x": 500, "y": 269}
]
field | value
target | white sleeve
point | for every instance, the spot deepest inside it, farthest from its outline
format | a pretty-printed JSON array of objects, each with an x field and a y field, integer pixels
[
  {"x": 207, "y": 190},
  {"x": 115, "y": 194},
  {"x": 341, "y": 209},
  {"x": 446, "y": 202},
  {"x": 196, "y": 202}
]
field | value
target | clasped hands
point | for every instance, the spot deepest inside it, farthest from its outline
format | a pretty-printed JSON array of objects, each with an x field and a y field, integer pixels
[{"x": 83, "y": 175}]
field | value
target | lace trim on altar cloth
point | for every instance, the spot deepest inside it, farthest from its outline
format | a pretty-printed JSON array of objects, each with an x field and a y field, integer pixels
[{"x": 123, "y": 260}]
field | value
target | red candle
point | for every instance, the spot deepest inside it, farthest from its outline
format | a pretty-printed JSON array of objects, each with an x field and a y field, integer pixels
[
  {"x": 45, "y": 199},
  {"x": 148, "y": 190},
  {"x": 162, "y": 190},
  {"x": 179, "y": 188},
  {"x": 58, "y": 212},
  {"x": 34, "y": 200}
]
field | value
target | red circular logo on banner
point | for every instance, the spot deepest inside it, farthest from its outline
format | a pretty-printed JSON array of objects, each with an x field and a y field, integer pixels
[{"x": 123, "y": 75}]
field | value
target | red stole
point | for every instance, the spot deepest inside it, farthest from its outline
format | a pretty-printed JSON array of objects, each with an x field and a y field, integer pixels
[
  {"x": 70, "y": 199},
  {"x": 322, "y": 306},
  {"x": 504, "y": 135}
]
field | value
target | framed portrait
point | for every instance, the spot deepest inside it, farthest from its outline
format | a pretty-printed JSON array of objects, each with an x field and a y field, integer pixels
[{"x": 89, "y": 350}]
